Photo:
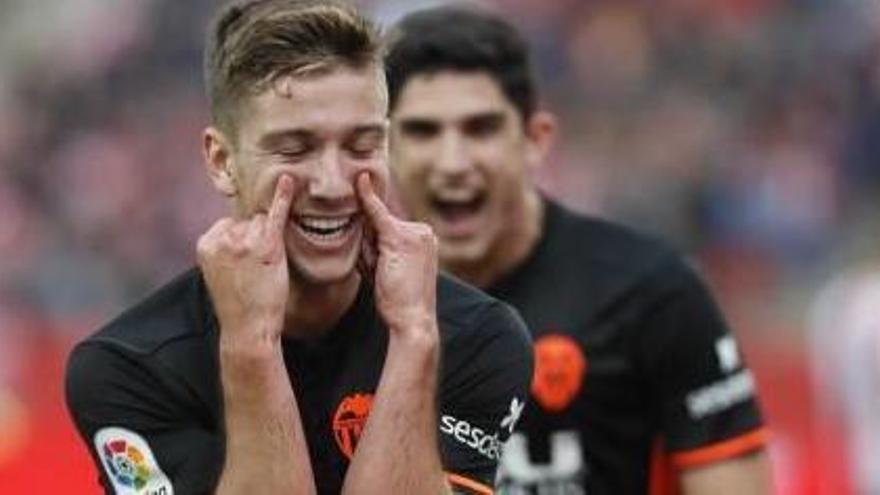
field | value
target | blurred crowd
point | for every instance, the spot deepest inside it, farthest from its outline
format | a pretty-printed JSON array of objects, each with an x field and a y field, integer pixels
[{"x": 747, "y": 132}]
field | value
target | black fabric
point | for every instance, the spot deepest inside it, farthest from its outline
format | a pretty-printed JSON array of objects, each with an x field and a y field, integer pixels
[
  {"x": 647, "y": 330},
  {"x": 154, "y": 371}
]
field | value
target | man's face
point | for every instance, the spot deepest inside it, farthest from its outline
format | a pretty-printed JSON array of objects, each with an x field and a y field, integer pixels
[
  {"x": 459, "y": 155},
  {"x": 322, "y": 130}
]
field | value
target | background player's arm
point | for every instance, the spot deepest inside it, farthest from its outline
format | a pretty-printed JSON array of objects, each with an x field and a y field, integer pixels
[
  {"x": 746, "y": 474},
  {"x": 245, "y": 268},
  {"x": 710, "y": 419},
  {"x": 398, "y": 451}
]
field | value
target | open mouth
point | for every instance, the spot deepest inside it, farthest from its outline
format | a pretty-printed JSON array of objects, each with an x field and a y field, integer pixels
[
  {"x": 325, "y": 228},
  {"x": 453, "y": 209}
]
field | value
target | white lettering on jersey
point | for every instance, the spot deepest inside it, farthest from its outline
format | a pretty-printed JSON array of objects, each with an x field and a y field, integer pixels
[
  {"x": 728, "y": 354},
  {"x": 129, "y": 463},
  {"x": 563, "y": 475},
  {"x": 472, "y": 436},
  {"x": 720, "y": 395}
]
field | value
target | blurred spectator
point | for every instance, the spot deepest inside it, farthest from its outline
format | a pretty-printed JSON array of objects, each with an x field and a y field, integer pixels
[{"x": 846, "y": 364}]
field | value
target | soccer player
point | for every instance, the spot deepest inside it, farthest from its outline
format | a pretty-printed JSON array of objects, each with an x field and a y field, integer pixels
[
  {"x": 630, "y": 348},
  {"x": 314, "y": 349}
]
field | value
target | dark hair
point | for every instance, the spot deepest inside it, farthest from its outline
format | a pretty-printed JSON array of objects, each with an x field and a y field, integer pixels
[
  {"x": 461, "y": 39},
  {"x": 252, "y": 43}
]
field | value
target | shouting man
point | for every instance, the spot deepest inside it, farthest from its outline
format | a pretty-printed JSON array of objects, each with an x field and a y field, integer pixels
[{"x": 630, "y": 349}]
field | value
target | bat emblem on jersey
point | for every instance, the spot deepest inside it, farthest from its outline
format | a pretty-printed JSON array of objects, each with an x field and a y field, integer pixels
[
  {"x": 349, "y": 421},
  {"x": 560, "y": 366}
]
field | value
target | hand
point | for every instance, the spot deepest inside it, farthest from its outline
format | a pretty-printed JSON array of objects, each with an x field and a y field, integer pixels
[
  {"x": 404, "y": 263},
  {"x": 244, "y": 263}
]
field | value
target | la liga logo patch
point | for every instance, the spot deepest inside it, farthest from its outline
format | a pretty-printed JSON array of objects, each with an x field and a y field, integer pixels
[
  {"x": 126, "y": 463},
  {"x": 129, "y": 463}
]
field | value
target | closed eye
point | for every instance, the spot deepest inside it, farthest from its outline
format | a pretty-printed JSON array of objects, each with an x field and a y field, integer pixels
[
  {"x": 289, "y": 145},
  {"x": 293, "y": 154},
  {"x": 365, "y": 143}
]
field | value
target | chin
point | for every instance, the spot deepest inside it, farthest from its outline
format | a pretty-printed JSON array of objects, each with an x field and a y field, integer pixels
[
  {"x": 324, "y": 272},
  {"x": 462, "y": 253}
]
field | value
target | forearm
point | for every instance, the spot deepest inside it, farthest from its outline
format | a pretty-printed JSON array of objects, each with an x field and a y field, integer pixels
[
  {"x": 266, "y": 450},
  {"x": 398, "y": 451}
]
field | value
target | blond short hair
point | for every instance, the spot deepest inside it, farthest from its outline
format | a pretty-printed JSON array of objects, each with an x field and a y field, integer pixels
[{"x": 253, "y": 43}]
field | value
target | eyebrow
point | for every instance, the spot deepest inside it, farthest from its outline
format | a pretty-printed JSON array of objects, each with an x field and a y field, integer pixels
[
  {"x": 483, "y": 115},
  {"x": 492, "y": 115},
  {"x": 370, "y": 128},
  {"x": 276, "y": 138}
]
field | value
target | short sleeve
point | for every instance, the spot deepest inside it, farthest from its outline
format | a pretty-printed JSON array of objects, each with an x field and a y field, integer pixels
[
  {"x": 135, "y": 429},
  {"x": 705, "y": 393},
  {"x": 486, "y": 377}
]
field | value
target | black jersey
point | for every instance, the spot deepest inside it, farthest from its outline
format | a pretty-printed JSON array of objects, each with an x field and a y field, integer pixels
[
  {"x": 145, "y": 394},
  {"x": 629, "y": 347}
]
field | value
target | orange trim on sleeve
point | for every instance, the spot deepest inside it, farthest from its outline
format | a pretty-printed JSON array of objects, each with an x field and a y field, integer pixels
[
  {"x": 726, "y": 449},
  {"x": 663, "y": 479},
  {"x": 475, "y": 487}
]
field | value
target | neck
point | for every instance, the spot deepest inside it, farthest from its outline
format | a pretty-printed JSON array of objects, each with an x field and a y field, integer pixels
[
  {"x": 515, "y": 243},
  {"x": 314, "y": 309}
]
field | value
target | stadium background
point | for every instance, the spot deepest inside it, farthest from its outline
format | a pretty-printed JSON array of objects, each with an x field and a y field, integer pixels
[{"x": 746, "y": 131}]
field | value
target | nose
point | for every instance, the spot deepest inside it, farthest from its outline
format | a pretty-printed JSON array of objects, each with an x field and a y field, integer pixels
[
  {"x": 452, "y": 156},
  {"x": 330, "y": 179}
]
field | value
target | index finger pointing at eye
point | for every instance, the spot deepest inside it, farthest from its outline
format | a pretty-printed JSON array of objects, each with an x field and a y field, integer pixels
[{"x": 280, "y": 208}]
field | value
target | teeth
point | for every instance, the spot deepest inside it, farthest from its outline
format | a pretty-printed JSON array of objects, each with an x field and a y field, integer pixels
[
  {"x": 319, "y": 223},
  {"x": 324, "y": 228},
  {"x": 458, "y": 199}
]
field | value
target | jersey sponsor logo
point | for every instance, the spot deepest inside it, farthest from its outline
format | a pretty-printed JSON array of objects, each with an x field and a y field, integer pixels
[
  {"x": 129, "y": 463},
  {"x": 516, "y": 410},
  {"x": 720, "y": 395},
  {"x": 486, "y": 443},
  {"x": 727, "y": 353},
  {"x": 349, "y": 421},
  {"x": 563, "y": 474},
  {"x": 560, "y": 366}
]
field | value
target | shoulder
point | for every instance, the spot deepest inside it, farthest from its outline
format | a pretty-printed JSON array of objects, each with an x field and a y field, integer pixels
[
  {"x": 462, "y": 308},
  {"x": 177, "y": 310},
  {"x": 487, "y": 348},
  {"x": 155, "y": 352},
  {"x": 471, "y": 322},
  {"x": 613, "y": 256},
  {"x": 606, "y": 243}
]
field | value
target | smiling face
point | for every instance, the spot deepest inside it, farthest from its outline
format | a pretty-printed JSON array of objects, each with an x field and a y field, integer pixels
[
  {"x": 460, "y": 155},
  {"x": 323, "y": 130}
]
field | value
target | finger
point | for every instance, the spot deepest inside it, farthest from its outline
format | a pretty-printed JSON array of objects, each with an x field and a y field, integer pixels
[
  {"x": 365, "y": 266},
  {"x": 377, "y": 212},
  {"x": 255, "y": 230},
  {"x": 219, "y": 226},
  {"x": 367, "y": 258},
  {"x": 280, "y": 208}
]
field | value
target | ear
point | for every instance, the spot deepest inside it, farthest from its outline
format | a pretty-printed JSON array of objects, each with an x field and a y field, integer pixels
[
  {"x": 218, "y": 153},
  {"x": 541, "y": 133}
]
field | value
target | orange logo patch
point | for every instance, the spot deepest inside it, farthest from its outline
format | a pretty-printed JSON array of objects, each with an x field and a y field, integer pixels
[
  {"x": 560, "y": 366},
  {"x": 349, "y": 421}
]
